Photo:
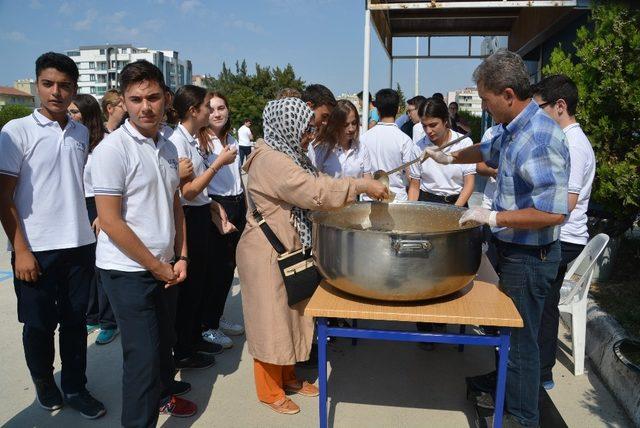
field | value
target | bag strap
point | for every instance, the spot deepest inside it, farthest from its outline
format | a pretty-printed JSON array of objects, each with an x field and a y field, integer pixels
[{"x": 268, "y": 232}]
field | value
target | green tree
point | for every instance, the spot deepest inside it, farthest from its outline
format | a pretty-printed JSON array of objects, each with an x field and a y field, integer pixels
[
  {"x": 13, "y": 111},
  {"x": 403, "y": 101},
  {"x": 249, "y": 93},
  {"x": 606, "y": 69}
]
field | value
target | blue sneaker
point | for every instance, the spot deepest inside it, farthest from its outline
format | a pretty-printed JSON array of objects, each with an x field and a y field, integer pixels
[
  {"x": 106, "y": 336},
  {"x": 549, "y": 384},
  {"x": 92, "y": 327}
]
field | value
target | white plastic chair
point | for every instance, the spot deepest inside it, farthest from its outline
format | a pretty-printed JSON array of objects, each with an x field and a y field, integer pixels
[{"x": 574, "y": 295}]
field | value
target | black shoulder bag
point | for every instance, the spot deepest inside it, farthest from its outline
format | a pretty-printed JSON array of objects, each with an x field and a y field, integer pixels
[{"x": 299, "y": 272}]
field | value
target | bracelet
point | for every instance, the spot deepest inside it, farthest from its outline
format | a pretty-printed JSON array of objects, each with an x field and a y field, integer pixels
[{"x": 185, "y": 258}]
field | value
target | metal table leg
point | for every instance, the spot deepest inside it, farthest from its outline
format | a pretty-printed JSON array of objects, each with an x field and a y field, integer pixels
[
  {"x": 503, "y": 356},
  {"x": 322, "y": 369}
]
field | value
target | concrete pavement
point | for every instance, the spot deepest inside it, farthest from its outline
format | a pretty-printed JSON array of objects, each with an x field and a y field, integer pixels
[{"x": 375, "y": 384}]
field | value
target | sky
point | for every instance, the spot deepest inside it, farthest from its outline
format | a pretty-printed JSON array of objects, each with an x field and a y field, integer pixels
[{"x": 322, "y": 39}]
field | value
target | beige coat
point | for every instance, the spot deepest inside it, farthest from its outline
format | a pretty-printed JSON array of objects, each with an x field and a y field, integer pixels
[{"x": 276, "y": 333}]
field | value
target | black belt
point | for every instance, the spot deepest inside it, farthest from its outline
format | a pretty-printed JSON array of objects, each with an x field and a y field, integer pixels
[
  {"x": 430, "y": 197},
  {"x": 230, "y": 198}
]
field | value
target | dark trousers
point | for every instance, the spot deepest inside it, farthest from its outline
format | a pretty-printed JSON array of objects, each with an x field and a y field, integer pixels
[
  {"x": 59, "y": 296},
  {"x": 526, "y": 274},
  {"x": 245, "y": 151},
  {"x": 98, "y": 309},
  {"x": 143, "y": 316},
  {"x": 192, "y": 290},
  {"x": 222, "y": 259},
  {"x": 548, "y": 334}
]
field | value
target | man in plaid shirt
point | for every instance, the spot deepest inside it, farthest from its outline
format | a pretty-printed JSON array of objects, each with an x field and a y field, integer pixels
[{"x": 530, "y": 152}]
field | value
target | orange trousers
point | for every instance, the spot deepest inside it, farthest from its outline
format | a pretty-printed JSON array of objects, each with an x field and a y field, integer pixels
[{"x": 271, "y": 379}]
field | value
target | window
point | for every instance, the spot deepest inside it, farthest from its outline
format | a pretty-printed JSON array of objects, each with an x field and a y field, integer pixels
[
  {"x": 102, "y": 65},
  {"x": 92, "y": 77},
  {"x": 101, "y": 90},
  {"x": 92, "y": 90},
  {"x": 73, "y": 53},
  {"x": 92, "y": 64},
  {"x": 102, "y": 51}
]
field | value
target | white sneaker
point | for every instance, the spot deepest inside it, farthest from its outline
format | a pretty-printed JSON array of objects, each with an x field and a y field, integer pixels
[
  {"x": 230, "y": 328},
  {"x": 218, "y": 337}
]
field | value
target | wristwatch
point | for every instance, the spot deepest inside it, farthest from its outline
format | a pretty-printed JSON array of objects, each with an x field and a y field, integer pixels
[{"x": 185, "y": 258}]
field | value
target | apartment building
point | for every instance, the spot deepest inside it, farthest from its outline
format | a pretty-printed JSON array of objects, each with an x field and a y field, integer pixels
[
  {"x": 100, "y": 66},
  {"x": 468, "y": 100}
]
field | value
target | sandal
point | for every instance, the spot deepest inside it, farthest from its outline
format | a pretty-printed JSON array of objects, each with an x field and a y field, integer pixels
[
  {"x": 307, "y": 389},
  {"x": 285, "y": 406}
]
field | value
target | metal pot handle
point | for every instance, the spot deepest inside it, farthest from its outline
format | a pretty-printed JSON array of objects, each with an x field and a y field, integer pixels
[{"x": 411, "y": 247}]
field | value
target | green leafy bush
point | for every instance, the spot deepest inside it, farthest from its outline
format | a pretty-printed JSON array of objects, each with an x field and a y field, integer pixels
[
  {"x": 606, "y": 69},
  {"x": 10, "y": 112}
]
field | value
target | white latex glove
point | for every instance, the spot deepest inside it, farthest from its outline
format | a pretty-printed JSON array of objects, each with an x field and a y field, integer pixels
[
  {"x": 437, "y": 155},
  {"x": 479, "y": 215}
]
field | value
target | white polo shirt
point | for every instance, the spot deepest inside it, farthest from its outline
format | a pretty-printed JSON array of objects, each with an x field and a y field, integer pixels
[
  {"x": 583, "y": 170},
  {"x": 245, "y": 136},
  {"x": 145, "y": 175},
  {"x": 338, "y": 163},
  {"x": 227, "y": 181},
  {"x": 444, "y": 180},
  {"x": 418, "y": 132},
  {"x": 188, "y": 147},
  {"x": 389, "y": 148},
  {"x": 48, "y": 162}
]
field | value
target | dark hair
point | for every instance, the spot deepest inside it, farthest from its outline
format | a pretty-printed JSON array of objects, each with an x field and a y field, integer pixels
[
  {"x": 416, "y": 101},
  {"x": 318, "y": 95},
  {"x": 203, "y": 135},
  {"x": 186, "y": 97},
  {"x": 91, "y": 118},
  {"x": 434, "y": 107},
  {"x": 387, "y": 102},
  {"x": 438, "y": 96},
  {"x": 454, "y": 103},
  {"x": 556, "y": 87},
  {"x": 139, "y": 71},
  {"x": 359, "y": 95},
  {"x": 246, "y": 119},
  {"x": 330, "y": 134},
  {"x": 60, "y": 62}
]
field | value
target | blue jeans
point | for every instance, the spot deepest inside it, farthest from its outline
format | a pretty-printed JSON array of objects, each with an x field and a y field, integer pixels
[{"x": 526, "y": 274}]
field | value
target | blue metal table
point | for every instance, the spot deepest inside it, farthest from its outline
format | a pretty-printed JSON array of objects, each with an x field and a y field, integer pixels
[{"x": 480, "y": 303}]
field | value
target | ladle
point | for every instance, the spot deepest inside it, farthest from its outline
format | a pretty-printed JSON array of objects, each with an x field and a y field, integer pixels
[{"x": 383, "y": 176}]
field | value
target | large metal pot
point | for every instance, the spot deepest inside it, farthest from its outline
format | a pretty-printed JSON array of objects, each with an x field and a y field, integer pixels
[{"x": 400, "y": 251}]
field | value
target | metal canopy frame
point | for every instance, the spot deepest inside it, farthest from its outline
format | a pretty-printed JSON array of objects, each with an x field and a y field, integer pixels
[{"x": 433, "y": 18}]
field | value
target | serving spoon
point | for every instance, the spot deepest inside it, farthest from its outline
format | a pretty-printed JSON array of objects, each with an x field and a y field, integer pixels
[{"x": 383, "y": 176}]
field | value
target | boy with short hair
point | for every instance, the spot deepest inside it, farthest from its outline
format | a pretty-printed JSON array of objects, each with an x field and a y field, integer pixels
[
  {"x": 142, "y": 249},
  {"x": 44, "y": 215},
  {"x": 389, "y": 147}
]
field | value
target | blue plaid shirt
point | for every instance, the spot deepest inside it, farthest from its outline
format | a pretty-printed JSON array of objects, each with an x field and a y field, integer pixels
[{"x": 533, "y": 163}]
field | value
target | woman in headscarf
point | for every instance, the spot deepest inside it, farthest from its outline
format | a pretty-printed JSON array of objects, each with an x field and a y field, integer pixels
[{"x": 283, "y": 185}]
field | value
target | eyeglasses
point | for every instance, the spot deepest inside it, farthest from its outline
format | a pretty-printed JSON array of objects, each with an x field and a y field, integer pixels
[
  {"x": 73, "y": 111},
  {"x": 543, "y": 105}
]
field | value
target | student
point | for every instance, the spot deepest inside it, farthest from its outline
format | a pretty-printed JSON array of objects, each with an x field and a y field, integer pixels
[
  {"x": 417, "y": 132},
  {"x": 113, "y": 109},
  {"x": 44, "y": 216},
  {"x": 530, "y": 203},
  {"x": 338, "y": 152},
  {"x": 321, "y": 101},
  {"x": 374, "y": 114},
  {"x": 141, "y": 250},
  {"x": 458, "y": 123},
  {"x": 86, "y": 110},
  {"x": 192, "y": 107},
  {"x": 389, "y": 147},
  {"x": 445, "y": 184},
  {"x": 245, "y": 140},
  {"x": 228, "y": 211},
  {"x": 557, "y": 96}
]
